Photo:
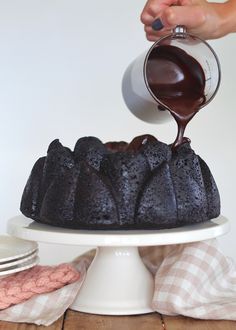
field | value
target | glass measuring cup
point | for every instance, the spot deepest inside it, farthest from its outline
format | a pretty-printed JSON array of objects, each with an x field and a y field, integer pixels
[{"x": 136, "y": 90}]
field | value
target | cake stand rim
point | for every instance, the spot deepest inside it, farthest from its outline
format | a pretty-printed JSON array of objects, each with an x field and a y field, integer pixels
[{"x": 25, "y": 228}]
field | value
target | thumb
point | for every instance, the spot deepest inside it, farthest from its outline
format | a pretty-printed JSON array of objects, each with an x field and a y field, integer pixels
[{"x": 190, "y": 16}]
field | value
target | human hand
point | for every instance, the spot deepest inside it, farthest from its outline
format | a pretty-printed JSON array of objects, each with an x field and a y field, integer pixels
[{"x": 205, "y": 19}]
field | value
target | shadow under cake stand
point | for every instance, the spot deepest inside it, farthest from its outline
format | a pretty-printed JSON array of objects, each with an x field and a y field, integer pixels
[{"x": 117, "y": 281}]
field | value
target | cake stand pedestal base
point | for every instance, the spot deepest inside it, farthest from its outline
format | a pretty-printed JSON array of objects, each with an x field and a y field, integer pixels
[{"x": 117, "y": 283}]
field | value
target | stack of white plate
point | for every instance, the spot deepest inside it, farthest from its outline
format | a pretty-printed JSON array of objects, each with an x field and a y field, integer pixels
[{"x": 16, "y": 255}]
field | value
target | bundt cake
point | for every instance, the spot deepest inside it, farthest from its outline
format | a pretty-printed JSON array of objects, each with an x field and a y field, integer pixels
[{"x": 142, "y": 185}]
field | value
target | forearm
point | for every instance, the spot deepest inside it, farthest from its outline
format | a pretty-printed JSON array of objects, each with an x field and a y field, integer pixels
[{"x": 228, "y": 17}]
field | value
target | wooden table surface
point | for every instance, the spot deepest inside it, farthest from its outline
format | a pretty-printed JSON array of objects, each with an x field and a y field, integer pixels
[{"x": 81, "y": 321}]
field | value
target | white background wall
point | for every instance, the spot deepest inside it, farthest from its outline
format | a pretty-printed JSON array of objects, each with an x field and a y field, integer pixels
[{"x": 61, "y": 65}]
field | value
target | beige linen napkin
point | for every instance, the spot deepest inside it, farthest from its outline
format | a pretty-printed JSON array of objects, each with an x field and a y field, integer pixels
[{"x": 194, "y": 280}]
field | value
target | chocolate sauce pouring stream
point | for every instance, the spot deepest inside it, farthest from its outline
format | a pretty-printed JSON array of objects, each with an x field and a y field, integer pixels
[{"x": 177, "y": 80}]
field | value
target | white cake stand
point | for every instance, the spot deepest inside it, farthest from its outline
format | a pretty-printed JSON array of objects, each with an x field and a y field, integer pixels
[{"x": 117, "y": 281}]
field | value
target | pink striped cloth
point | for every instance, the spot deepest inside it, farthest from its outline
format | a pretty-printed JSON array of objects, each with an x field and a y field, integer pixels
[
  {"x": 46, "y": 308},
  {"x": 194, "y": 280}
]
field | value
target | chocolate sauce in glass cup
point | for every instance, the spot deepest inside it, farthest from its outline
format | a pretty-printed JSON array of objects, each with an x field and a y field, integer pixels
[{"x": 181, "y": 74}]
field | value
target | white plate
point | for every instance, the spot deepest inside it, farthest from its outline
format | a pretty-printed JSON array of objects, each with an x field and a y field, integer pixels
[
  {"x": 18, "y": 268},
  {"x": 14, "y": 248},
  {"x": 18, "y": 261}
]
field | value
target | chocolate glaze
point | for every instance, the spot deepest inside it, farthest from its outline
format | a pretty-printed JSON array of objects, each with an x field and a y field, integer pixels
[
  {"x": 134, "y": 146},
  {"x": 139, "y": 141},
  {"x": 178, "y": 81}
]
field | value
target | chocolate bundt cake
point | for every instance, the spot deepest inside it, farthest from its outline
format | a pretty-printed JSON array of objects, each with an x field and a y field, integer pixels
[{"x": 141, "y": 185}]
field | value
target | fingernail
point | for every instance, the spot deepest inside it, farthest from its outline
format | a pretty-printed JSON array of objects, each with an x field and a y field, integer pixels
[{"x": 157, "y": 25}]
